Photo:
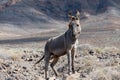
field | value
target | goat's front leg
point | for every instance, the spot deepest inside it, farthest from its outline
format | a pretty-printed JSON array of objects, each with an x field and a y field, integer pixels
[
  {"x": 72, "y": 59},
  {"x": 69, "y": 61}
]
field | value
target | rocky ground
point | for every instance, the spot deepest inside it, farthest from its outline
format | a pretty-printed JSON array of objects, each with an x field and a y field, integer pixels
[{"x": 91, "y": 63}]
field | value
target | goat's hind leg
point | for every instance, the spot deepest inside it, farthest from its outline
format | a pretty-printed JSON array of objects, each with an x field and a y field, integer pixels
[
  {"x": 47, "y": 59},
  {"x": 55, "y": 59}
]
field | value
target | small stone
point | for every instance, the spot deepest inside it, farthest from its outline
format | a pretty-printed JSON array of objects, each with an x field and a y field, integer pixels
[
  {"x": 6, "y": 64},
  {"x": 14, "y": 72},
  {"x": 0, "y": 68},
  {"x": 73, "y": 76},
  {"x": 16, "y": 78},
  {"x": 25, "y": 51},
  {"x": 24, "y": 67},
  {"x": 39, "y": 78},
  {"x": 23, "y": 57},
  {"x": 16, "y": 69},
  {"x": 91, "y": 52},
  {"x": 29, "y": 59},
  {"x": 30, "y": 56},
  {"x": 26, "y": 74},
  {"x": 36, "y": 56},
  {"x": 8, "y": 79},
  {"x": 70, "y": 78},
  {"x": 83, "y": 75},
  {"x": 9, "y": 72},
  {"x": 52, "y": 78},
  {"x": 35, "y": 68}
]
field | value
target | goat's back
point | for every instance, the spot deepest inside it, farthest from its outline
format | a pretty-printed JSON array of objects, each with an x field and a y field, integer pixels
[{"x": 57, "y": 45}]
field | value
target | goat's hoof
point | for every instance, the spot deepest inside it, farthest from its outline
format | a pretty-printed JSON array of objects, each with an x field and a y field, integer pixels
[
  {"x": 57, "y": 75},
  {"x": 47, "y": 79},
  {"x": 73, "y": 72}
]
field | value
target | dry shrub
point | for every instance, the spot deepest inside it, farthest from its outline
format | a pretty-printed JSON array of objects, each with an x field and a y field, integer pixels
[
  {"x": 111, "y": 50},
  {"x": 105, "y": 74},
  {"x": 98, "y": 50},
  {"x": 15, "y": 56}
]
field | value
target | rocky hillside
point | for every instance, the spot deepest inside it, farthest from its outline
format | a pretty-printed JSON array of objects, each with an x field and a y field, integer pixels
[
  {"x": 17, "y": 11},
  {"x": 20, "y": 12}
]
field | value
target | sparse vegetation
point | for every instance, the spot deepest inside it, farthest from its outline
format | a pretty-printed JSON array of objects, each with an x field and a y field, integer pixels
[{"x": 87, "y": 67}]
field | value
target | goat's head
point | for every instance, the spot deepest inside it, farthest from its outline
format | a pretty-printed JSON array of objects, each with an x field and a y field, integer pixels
[{"x": 74, "y": 25}]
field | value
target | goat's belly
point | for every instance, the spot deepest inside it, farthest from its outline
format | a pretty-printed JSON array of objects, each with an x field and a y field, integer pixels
[{"x": 59, "y": 52}]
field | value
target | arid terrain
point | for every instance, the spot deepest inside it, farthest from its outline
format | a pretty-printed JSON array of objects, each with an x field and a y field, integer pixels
[
  {"x": 91, "y": 63},
  {"x": 26, "y": 25}
]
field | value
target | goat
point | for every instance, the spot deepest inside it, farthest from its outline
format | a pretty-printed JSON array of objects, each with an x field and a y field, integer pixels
[{"x": 63, "y": 44}]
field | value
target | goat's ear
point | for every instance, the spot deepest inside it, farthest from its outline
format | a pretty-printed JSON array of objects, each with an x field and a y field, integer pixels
[
  {"x": 71, "y": 17},
  {"x": 78, "y": 14}
]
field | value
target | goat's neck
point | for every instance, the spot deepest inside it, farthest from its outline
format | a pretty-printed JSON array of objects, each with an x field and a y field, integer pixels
[{"x": 69, "y": 36}]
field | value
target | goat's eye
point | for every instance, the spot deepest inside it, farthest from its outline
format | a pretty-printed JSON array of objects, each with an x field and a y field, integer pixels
[{"x": 77, "y": 25}]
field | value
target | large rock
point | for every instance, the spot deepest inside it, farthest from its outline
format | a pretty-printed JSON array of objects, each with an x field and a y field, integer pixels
[
  {"x": 75, "y": 76},
  {"x": 39, "y": 78}
]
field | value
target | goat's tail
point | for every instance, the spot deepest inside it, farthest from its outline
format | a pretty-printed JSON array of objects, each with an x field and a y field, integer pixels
[{"x": 40, "y": 60}]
